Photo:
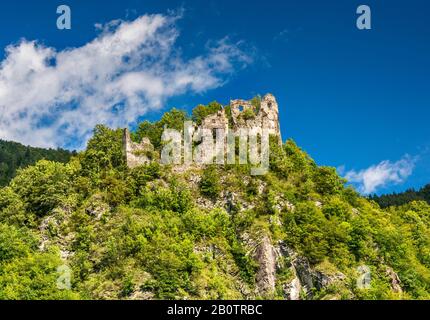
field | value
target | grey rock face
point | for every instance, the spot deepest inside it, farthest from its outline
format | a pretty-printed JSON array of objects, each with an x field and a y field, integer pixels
[
  {"x": 395, "y": 280},
  {"x": 305, "y": 274},
  {"x": 292, "y": 290},
  {"x": 364, "y": 278},
  {"x": 266, "y": 275},
  {"x": 306, "y": 278},
  {"x": 323, "y": 280}
]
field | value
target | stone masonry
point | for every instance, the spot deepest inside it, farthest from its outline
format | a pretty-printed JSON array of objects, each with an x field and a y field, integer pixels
[
  {"x": 136, "y": 154},
  {"x": 243, "y": 116}
]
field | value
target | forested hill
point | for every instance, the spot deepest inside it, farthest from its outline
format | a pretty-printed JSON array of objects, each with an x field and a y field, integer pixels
[
  {"x": 157, "y": 231},
  {"x": 398, "y": 199},
  {"x": 14, "y": 155}
]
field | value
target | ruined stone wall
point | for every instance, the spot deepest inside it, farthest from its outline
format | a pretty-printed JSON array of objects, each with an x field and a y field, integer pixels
[
  {"x": 216, "y": 121},
  {"x": 269, "y": 113},
  {"x": 243, "y": 115},
  {"x": 267, "y": 117},
  {"x": 136, "y": 154},
  {"x": 213, "y": 131}
]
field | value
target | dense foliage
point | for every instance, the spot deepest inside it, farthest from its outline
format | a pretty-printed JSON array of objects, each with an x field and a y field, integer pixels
[
  {"x": 153, "y": 232},
  {"x": 15, "y": 155},
  {"x": 153, "y": 130},
  {"x": 201, "y": 111},
  {"x": 398, "y": 199}
]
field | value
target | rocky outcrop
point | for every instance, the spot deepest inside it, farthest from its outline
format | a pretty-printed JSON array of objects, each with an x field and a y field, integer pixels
[
  {"x": 259, "y": 246},
  {"x": 97, "y": 207},
  {"x": 394, "y": 280},
  {"x": 275, "y": 258},
  {"x": 323, "y": 280},
  {"x": 229, "y": 200},
  {"x": 304, "y": 273},
  {"x": 266, "y": 276},
  {"x": 293, "y": 289},
  {"x": 280, "y": 203},
  {"x": 52, "y": 230},
  {"x": 305, "y": 277},
  {"x": 364, "y": 277}
]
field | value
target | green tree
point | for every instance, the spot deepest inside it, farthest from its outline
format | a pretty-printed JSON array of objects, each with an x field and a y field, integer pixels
[
  {"x": 104, "y": 152},
  {"x": 210, "y": 183},
  {"x": 201, "y": 111},
  {"x": 44, "y": 186},
  {"x": 14, "y": 156},
  {"x": 327, "y": 181}
]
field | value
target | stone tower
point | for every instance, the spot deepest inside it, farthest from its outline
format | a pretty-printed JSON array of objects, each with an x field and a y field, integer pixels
[{"x": 267, "y": 117}]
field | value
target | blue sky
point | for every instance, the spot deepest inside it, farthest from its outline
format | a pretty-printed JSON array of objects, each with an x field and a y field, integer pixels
[{"x": 352, "y": 99}]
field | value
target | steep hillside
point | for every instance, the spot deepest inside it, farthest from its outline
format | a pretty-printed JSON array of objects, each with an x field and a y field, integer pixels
[
  {"x": 207, "y": 232},
  {"x": 14, "y": 155}
]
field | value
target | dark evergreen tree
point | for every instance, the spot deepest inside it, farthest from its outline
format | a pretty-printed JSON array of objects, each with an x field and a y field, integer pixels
[{"x": 14, "y": 156}]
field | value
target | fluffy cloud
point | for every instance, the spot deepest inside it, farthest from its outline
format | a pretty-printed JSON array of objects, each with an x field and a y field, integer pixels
[
  {"x": 382, "y": 174},
  {"x": 55, "y": 98}
]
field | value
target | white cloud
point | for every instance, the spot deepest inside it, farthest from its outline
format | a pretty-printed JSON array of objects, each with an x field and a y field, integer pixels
[
  {"x": 282, "y": 35},
  {"x": 380, "y": 175},
  {"x": 55, "y": 98}
]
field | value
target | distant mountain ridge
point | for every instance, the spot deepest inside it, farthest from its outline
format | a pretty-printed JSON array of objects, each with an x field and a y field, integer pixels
[
  {"x": 398, "y": 199},
  {"x": 14, "y": 155}
]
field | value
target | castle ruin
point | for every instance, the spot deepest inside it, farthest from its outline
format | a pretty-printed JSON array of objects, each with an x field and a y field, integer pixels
[
  {"x": 136, "y": 154},
  {"x": 244, "y": 116}
]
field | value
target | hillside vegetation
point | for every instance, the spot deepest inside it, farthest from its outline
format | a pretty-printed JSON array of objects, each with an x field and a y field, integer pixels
[
  {"x": 398, "y": 199},
  {"x": 215, "y": 232},
  {"x": 14, "y": 155}
]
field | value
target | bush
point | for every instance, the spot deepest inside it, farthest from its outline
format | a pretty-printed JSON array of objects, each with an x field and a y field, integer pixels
[
  {"x": 44, "y": 186},
  {"x": 104, "y": 151},
  {"x": 201, "y": 112},
  {"x": 327, "y": 181},
  {"x": 210, "y": 183},
  {"x": 248, "y": 114}
]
